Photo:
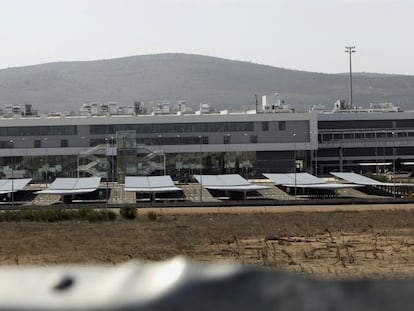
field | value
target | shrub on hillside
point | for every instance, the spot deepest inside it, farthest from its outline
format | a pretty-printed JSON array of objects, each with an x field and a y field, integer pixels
[
  {"x": 128, "y": 212},
  {"x": 152, "y": 216}
]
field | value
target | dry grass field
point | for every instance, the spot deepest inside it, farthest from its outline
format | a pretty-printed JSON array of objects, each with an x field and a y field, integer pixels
[{"x": 337, "y": 244}]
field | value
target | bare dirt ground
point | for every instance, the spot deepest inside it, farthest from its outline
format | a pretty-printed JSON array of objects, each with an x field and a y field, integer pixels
[{"x": 326, "y": 242}]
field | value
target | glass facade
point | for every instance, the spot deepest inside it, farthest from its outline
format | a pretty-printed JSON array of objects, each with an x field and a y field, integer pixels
[
  {"x": 127, "y": 162},
  {"x": 6, "y": 144},
  {"x": 39, "y": 130},
  {"x": 160, "y": 141},
  {"x": 329, "y": 136},
  {"x": 173, "y": 128},
  {"x": 370, "y": 139}
]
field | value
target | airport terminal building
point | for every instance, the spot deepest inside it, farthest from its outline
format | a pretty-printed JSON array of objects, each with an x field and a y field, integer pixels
[{"x": 181, "y": 144}]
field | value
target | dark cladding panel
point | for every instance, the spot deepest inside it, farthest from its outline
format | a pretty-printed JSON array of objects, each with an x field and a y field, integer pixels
[{"x": 355, "y": 124}]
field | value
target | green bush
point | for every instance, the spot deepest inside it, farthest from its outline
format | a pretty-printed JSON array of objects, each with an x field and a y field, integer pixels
[
  {"x": 152, "y": 216},
  {"x": 53, "y": 215},
  {"x": 9, "y": 216},
  {"x": 128, "y": 212},
  {"x": 94, "y": 216},
  {"x": 82, "y": 214},
  {"x": 109, "y": 215}
]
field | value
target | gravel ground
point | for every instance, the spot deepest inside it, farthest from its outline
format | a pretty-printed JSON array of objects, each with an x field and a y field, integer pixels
[{"x": 355, "y": 241}]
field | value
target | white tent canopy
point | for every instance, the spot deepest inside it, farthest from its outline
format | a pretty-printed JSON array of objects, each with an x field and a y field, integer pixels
[
  {"x": 13, "y": 185},
  {"x": 231, "y": 182},
  {"x": 150, "y": 184},
  {"x": 68, "y": 186},
  {"x": 366, "y": 181},
  {"x": 289, "y": 178},
  {"x": 305, "y": 180}
]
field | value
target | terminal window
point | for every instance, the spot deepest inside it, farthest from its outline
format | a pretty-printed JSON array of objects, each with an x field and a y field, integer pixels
[
  {"x": 226, "y": 139},
  {"x": 265, "y": 126}
]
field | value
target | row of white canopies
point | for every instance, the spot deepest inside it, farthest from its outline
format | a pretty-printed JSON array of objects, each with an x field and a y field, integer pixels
[
  {"x": 301, "y": 180},
  {"x": 227, "y": 182},
  {"x": 346, "y": 180},
  {"x": 59, "y": 186}
]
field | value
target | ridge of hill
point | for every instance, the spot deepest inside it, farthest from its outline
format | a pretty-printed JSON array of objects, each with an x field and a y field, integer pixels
[{"x": 65, "y": 86}]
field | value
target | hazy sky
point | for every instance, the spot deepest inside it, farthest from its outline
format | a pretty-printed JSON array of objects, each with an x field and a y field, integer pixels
[{"x": 296, "y": 34}]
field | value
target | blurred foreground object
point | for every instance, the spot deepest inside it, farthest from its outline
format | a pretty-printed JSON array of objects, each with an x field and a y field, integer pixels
[{"x": 180, "y": 284}]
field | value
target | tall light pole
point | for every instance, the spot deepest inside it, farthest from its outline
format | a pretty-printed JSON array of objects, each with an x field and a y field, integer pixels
[
  {"x": 246, "y": 136},
  {"x": 314, "y": 157},
  {"x": 383, "y": 152},
  {"x": 162, "y": 155},
  {"x": 350, "y": 50},
  {"x": 77, "y": 165},
  {"x": 46, "y": 163},
  {"x": 107, "y": 170},
  {"x": 294, "y": 160},
  {"x": 201, "y": 171},
  {"x": 113, "y": 145},
  {"x": 179, "y": 163},
  {"x": 24, "y": 155},
  {"x": 306, "y": 151},
  {"x": 227, "y": 153},
  {"x": 376, "y": 153},
  {"x": 47, "y": 170},
  {"x": 393, "y": 165},
  {"x": 12, "y": 173},
  {"x": 78, "y": 159}
]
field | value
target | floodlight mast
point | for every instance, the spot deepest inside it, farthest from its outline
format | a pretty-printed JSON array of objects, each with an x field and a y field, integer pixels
[{"x": 350, "y": 50}]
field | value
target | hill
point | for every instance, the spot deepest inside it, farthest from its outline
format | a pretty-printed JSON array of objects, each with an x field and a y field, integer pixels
[{"x": 223, "y": 83}]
